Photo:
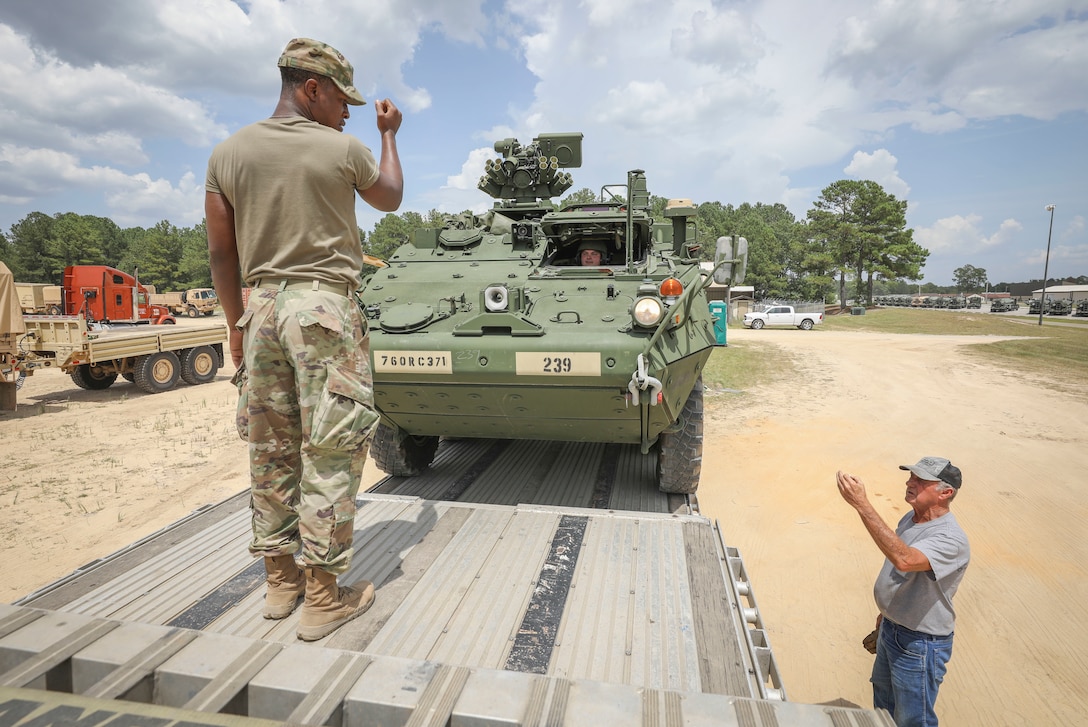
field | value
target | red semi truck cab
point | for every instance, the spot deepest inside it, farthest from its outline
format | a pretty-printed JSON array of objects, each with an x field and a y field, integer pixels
[{"x": 108, "y": 295}]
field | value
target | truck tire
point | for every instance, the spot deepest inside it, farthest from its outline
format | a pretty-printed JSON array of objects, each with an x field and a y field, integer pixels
[
  {"x": 192, "y": 312},
  {"x": 757, "y": 324},
  {"x": 400, "y": 454},
  {"x": 680, "y": 453},
  {"x": 199, "y": 365},
  {"x": 806, "y": 325},
  {"x": 92, "y": 378},
  {"x": 54, "y": 310},
  {"x": 158, "y": 372}
]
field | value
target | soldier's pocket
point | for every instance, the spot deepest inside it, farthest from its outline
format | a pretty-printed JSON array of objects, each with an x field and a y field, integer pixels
[
  {"x": 343, "y": 418},
  {"x": 241, "y": 382},
  {"x": 241, "y": 414}
]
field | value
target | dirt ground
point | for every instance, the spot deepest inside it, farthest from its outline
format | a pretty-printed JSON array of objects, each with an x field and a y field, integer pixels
[{"x": 84, "y": 474}]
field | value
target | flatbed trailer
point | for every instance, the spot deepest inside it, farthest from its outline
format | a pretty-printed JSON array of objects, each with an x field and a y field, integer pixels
[
  {"x": 154, "y": 357},
  {"x": 582, "y": 596}
]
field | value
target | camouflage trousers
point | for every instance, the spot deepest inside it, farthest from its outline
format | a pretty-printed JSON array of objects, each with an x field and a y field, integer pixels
[{"x": 306, "y": 407}]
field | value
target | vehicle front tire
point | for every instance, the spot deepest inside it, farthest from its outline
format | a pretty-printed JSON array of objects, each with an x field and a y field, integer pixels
[
  {"x": 92, "y": 378},
  {"x": 199, "y": 365},
  {"x": 400, "y": 454},
  {"x": 680, "y": 453},
  {"x": 757, "y": 324},
  {"x": 158, "y": 372}
]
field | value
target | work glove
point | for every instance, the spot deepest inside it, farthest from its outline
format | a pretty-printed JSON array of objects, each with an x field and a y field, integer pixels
[{"x": 869, "y": 642}]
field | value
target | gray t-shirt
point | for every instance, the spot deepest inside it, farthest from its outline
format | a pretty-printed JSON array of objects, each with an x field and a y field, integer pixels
[{"x": 922, "y": 600}]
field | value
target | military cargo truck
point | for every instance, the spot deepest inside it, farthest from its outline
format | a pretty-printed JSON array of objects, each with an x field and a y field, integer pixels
[
  {"x": 40, "y": 298},
  {"x": 193, "y": 303},
  {"x": 95, "y": 354},
  {"x": 490, "y": 327}
]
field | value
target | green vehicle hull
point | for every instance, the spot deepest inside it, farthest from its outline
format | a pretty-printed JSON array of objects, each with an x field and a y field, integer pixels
[{"x": 488, "y": 327}]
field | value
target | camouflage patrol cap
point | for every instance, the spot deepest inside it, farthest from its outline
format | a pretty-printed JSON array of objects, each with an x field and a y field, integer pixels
[{"x": 323, "y": 59}]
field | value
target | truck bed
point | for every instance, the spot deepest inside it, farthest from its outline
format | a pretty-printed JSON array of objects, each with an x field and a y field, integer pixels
[{"x": 581, "y": 594}]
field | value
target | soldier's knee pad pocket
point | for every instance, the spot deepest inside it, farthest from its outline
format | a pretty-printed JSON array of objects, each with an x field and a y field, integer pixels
[{"x": 343, "y": 417}]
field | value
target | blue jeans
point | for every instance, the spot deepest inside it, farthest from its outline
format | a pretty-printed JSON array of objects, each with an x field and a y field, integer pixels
[{"x": 908, "y": 671}]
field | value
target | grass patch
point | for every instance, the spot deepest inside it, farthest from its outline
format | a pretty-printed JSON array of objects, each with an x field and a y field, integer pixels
[
  {"x": 1054, "y": 356},
  {"x": 742, "y": 366}
]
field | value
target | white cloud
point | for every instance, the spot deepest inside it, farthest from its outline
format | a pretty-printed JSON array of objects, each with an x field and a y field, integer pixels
[
  {"x": 964, "y": 234},
  {"x": 879, "y": 167}
]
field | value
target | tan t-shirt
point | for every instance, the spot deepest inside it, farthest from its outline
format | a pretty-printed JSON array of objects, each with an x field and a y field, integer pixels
[{"x": 292, "y": 183}]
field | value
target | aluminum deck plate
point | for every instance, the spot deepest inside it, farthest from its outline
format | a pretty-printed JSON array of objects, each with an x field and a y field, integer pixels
[{"x": 546, "y": 600}]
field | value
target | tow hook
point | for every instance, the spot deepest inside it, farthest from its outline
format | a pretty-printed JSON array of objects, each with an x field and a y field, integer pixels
[{"x": 640, "y": 381}]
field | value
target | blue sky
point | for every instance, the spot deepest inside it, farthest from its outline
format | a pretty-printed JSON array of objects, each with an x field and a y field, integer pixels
[{"x": 975, "y": 112}]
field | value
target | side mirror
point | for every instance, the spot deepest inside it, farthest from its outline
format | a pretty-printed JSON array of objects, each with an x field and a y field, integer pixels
[{"x": 730, "y": 260}]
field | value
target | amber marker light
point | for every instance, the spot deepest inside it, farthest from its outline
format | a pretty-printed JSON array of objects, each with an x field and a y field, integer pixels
[{"x": 671, "y": 288}]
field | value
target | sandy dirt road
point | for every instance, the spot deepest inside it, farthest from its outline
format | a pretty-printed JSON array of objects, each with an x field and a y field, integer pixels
[
  {"x": 865, "y": 403},
  {"x": 84, "y": 474}
]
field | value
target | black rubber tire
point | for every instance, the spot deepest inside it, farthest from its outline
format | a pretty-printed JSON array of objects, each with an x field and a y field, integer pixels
[
  {"x": 192, "y": 312},
  {"x": 129, "y": 376},
  {"x": 199, "y": 365},
  {"x": 158, "y": 372},
  {"x": 680, "y": 453},
  {"x": 757, "y": 324},
  {"x": 92, "y": 378},
  {"x": 806, "y": 325},
  {"x": 400, "y": 454}
]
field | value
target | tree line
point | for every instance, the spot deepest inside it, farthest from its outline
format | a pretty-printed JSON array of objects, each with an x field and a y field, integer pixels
[{"x": 853, "y": 243}]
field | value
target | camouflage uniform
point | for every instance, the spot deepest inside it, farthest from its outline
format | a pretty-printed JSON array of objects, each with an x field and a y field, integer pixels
[{"x": 306, "y": 407}]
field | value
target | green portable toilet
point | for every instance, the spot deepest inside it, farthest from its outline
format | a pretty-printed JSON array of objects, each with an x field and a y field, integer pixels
[{"x": 719, "y": 311}]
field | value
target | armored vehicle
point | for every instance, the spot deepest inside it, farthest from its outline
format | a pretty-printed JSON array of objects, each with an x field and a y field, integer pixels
[
  {"x": 1061, "y": 307},
  {"x": 1082, "y": 308},
  {"x": 1035, "y": 304},
  {"x": 490, "y": 327}
]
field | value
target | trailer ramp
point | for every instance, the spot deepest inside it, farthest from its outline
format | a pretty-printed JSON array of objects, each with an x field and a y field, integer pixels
[{"x": 531, "y": 613}]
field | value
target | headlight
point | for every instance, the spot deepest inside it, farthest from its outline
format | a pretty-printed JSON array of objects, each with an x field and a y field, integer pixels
[{"x": 647, "y": 312}]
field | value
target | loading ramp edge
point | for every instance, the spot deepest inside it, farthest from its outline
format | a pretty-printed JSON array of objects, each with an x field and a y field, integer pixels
[{"x": 158, "y": 671}]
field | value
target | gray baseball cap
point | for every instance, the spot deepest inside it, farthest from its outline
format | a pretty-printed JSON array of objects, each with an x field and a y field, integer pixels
[{"x": 936, "y": 469}]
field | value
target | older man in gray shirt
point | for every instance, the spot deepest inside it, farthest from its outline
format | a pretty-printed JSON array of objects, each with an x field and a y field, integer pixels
[{"x": 925, "y": 559}]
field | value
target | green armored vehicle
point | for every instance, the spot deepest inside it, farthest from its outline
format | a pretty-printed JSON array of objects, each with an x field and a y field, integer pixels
[
  {"x": 587, "y": 323},
  {"x": 1061, "y": 307},
  {"x": 1082, "y": 308}
]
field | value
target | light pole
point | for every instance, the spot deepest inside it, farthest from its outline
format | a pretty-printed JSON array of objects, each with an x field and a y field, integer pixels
[{"x": 1046, "y": 263}]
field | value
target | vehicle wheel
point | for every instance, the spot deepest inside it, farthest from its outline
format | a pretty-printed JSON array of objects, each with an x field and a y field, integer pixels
[
  {"x": 54, "y": 310},
  {"x": 91, "y": 377},
  {"x": 129, "y": 376},
  {"x": 157, "y": 372},
  {"x": 757, "y": 324},
  {"x": 680, "y": 453},
  {"x": 806, "y": 325},
  {"x": 199, "y": 365},
  {"x": 192, "y": 312},
  {"x": 400, "y": 454}
]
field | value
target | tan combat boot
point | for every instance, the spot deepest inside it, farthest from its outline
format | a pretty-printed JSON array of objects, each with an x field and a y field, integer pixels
[
  {"x": 286, "y": 583},
  {"x": 328, "y": 606}
]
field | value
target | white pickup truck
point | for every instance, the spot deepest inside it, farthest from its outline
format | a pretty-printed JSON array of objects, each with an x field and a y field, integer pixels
[{"x": 782, "y": 315}]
